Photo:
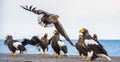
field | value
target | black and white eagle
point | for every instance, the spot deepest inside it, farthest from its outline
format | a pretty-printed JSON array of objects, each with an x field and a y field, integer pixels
[
  {"x": 95, "y": 49},
  {"x": 14, "y": 46},
  {"x": 41, "y": 43},
  {"x": 49, "y": 19},
  {"x": 58, "y": 46}
]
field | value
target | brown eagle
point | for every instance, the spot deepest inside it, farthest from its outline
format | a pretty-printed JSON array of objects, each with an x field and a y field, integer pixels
[{"x": 49, "y": 19}]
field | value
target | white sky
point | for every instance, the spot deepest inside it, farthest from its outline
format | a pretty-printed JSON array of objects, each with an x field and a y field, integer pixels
[{"x": 98, "y": 16}]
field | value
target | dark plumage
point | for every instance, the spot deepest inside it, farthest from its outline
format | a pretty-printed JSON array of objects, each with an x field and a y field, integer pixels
[
  {"x": 49, "y": 19},
  {"x": 95, "y": 49},
  {"x": 43, "y": 46},
  {"x": 95, "y": 37},
  {"x": 81, "y": 47},
  {"x": 58, "y": 45},
  {"x": 26, "y": 42},
  {"x": 35, "y": 41},
  {"x": 15, "y": 47}
]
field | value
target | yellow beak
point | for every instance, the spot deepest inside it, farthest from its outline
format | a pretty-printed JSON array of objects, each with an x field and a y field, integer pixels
[
  {"x": 81, "y": 31},
  {"x": 54, "y": 32}
]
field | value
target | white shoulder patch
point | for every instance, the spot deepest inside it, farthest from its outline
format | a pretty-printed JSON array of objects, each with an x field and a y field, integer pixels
[
  {"x": 60, "y": 43},
  {"x": 92, "y": 42},
  {"x": 15, "y": 44}
]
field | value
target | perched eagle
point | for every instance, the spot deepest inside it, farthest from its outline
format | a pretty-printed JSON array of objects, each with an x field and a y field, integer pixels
[
  {"x": 42, "y": 44},
  {"x": 58, "y": 46},
  {"x": 95, "y": 49},
  {"x": 14, "y": 46},
  {"x": 49, "y": 19},
  {"x": 81, "y": 47}
]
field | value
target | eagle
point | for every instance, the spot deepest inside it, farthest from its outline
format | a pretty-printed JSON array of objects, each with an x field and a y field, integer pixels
[
  {"x": 81, "y": 47},
  {"x": 49, "y": 19},
  {"x": 95, "y": 49},
  {"x": 58, "y": 45},
  {"x": 41, "y": 43},
  {"x": 14, "y": 46},
  {"x": 43, "y": 46}
]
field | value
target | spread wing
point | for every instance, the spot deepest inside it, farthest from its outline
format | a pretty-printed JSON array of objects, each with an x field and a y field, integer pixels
[
  {"x": 33, "y": 9},
  {"x": 48, "y": 19},
  {"x": 61, "y": 30}
]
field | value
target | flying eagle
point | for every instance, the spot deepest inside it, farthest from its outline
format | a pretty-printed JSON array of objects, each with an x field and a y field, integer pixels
[{"x": 49, "y": 19}]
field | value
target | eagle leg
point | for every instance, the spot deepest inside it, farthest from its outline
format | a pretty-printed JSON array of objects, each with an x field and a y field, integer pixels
[
  {"x": 59, "y": 56},
  {"x": 14, "y": 54},
  {"x": 88, "y": 59},
  {"x": 43, "y": 54}
]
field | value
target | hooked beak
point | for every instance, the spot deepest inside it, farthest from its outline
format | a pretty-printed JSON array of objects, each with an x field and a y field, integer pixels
[
  {"x": 81, "y": 31},
  {"x": 54, "y": 32}
]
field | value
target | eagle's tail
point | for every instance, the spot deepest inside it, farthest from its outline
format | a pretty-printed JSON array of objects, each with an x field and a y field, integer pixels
[{"x": 104, "y": 56}]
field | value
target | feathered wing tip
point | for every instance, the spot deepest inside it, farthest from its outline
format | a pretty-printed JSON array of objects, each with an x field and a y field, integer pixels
[
  {"x": 61, "y": 30},
  {"x": 28, "y": 8},
  {"x": 31, "y": 9}
]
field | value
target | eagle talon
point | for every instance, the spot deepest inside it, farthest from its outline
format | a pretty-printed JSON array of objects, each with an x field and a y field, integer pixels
[
  {"x": 84, "y": 57},
  {"x": 14, "y": 54},
  {"x": 43, "y": 54},
  {"x": 87, "y": 59},
  {"x": 59, "y": 56}
]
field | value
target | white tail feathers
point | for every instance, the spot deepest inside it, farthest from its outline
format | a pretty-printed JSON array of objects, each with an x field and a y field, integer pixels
[
  {"x": 62, "y": 53},
  {"x": 17, "y": 51},
  {"x": 90, "y": 54},
  {"x": 104, "y": 56}
]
